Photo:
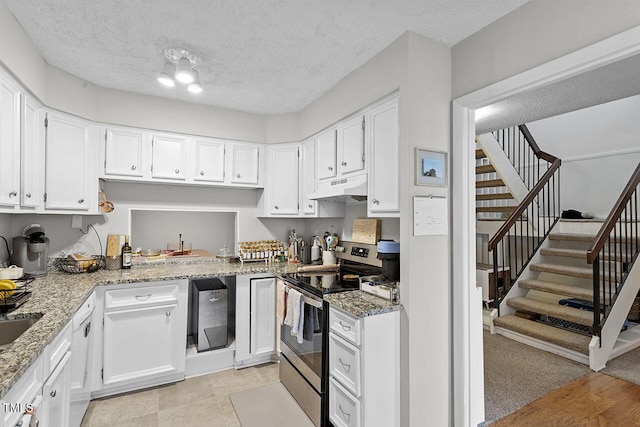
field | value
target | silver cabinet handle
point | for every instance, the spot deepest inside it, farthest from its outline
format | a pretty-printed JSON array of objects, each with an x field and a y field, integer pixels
[
  {"x": 143, "y": 297},
  {"x": 238, "y": 176},
  {"x": 346, "y": 414},
  {"x": 201, "y": 173},
  {"x": 346, "y": 366},
  {"x": 53, "y": 393},
  {"x": 12, "y": 194},
  {"x": 345, "y": 327},
  {"x": 133, "y": 167},
  {"x": 310, "y": 206},
  {"x": 168, "y": 313},
  {"x": 276, "y": 207},
  {"x": 344, "y": 163},
  {"x": 177, "y": 170},
  {"x": 81, "y": 201},
  {"x": 375, "y": 201},
  {"x": 330, "y": 168},
  {"x": 28, "y": 195}
]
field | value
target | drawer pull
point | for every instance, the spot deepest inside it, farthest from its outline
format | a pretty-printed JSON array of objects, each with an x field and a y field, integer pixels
[
  {"x": 53, "y": 393},
  {"x": 346, "y": 414},
  {"x": 346, "y": 366},
  {"x": 345, "y": 327},
  {"x": 168, "y": 313},
  {"x": 143, "y": 297},
  {"x": 133, "y": 167}
]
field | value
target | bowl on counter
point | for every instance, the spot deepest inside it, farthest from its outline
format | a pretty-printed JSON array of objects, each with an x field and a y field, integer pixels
[{"x": 12, "y": 272}]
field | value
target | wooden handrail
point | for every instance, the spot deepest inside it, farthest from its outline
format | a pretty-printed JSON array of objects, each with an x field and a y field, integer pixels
[
  {"x": 534, "y": 145},
  {"x": 614, "y": 216},
  {"x": 523, "y": 205}
]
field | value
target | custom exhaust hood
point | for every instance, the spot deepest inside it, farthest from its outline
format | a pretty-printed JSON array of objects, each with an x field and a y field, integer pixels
[{"x": 342, "y": 189}]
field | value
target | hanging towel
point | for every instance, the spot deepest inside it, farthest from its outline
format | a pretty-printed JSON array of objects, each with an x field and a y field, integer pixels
[
  {"x": 300, "y": 330},
  {"x": 281, "y": 302},
  {"x": 311, "y": 323},
  {"x": 292, "y": 318}
]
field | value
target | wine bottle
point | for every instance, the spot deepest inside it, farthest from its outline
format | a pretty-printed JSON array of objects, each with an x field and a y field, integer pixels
[{"x": 126, "y": 253}]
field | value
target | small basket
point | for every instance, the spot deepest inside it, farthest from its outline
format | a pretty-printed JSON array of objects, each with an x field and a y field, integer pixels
[
  {"x": 634, "y": 313},
  {"x": 69, "y": 265},
  {"x": 113, "y": 263}
]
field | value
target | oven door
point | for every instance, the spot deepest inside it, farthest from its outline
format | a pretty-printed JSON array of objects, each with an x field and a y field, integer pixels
[{"x": 305, "y": 351}]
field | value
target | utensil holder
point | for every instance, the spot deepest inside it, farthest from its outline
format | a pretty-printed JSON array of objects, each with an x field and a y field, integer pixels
[{"x": 328, "y": 257}]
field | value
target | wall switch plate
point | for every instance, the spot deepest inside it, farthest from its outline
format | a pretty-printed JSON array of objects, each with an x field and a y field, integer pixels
[{"x": 76, "y": 221}]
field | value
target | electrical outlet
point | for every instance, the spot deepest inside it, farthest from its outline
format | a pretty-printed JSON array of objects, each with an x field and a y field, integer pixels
[{"x": 76, "y": 221}]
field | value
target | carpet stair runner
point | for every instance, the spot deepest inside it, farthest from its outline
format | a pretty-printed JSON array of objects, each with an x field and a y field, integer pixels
[
  {"x": 564, "y": 279},
  {"x": 492, "y": 195}
]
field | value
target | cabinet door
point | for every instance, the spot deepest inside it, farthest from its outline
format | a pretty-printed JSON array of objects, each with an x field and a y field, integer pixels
[
  {"x": 327, "y": 154},
  {"x": 169, "y": 157},
  {"x": 384, "y": 174},
  {"x": 140, "y": 343},
  {"x": 32, "y": 155},
  {"x": 123, "y": 152},
  {"x": 9, "y": 143},
  {"x": 308, "y": 177},
  {"x": 70, "y": 164},
  {"x": 263, "y": 316},
  {"x": 351, "y": 146},
  {"x": 209, "y": 160},
  {"x": 244, "y": 164},
  {"x": 56, "y": 393},
  {"x": 284, "y": 179}
]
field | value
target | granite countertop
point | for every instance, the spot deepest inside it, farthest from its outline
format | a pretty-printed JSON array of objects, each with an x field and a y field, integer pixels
[
  {"x": 58, "y": 295},
  {"x": 360, "y": 303}
]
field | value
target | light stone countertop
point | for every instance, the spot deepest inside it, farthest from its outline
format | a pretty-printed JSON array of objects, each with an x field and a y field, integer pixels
[
  {"x": 360, "y": 303},
  {"x": 58, "y": 295}
]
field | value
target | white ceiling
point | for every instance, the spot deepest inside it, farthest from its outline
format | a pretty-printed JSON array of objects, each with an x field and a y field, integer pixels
[{"x": 261, "y": 56}]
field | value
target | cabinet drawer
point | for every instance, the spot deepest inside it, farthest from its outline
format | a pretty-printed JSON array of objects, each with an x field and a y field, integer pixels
[
  {"x": 344, "y": 409},
  {"x": 344, "y": 363},
  {"x": 26, "y": 390},
  {"x": 347, "y": 327},
  {"x": 55, "y": 351},
  {"x": 141, "y": 296}
]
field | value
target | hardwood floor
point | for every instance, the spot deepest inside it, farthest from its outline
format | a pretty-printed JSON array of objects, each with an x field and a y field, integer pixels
[{"x": 593, "y": 400}]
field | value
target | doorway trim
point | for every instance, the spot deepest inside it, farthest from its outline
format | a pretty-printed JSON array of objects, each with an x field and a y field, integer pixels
[{"x": 468, "y": 363}]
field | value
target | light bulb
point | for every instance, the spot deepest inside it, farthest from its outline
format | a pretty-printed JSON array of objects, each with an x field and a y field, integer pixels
[
  {"x": 195, "y": 86},
  {"x": 184, "y": 73},
  {"x": 166, "y": 77}
]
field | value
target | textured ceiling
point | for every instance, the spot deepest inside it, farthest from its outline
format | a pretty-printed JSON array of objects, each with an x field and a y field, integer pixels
[{"x": 262, "y": 56}]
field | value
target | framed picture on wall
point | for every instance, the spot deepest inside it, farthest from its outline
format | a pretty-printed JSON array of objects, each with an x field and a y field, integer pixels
[{"x": 431, "y": 167}]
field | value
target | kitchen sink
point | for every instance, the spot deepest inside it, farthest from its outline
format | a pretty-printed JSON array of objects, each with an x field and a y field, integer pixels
[{"x": 11, "y": 329}]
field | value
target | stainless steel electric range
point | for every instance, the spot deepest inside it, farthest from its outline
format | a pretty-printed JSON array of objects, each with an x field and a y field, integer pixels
[{"x": 304, "y": 361}]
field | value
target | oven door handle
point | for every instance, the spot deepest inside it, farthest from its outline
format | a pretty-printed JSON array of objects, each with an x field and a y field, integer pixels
[
  {"x": 312, "y": 302},
  {"x": 306, "y": 297}
]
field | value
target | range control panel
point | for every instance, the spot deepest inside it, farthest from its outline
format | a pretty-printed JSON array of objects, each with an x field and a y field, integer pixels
[
  {"x": 362, "y": 253},
  {"x": 359, "y": 251}
]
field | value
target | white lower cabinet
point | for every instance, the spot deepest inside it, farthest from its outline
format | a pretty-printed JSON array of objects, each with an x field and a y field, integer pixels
[
  {"x": 255, "y": 319},
  {"x": 144, "y": 335},
  {"x": 56, "y": 395},
  {"x": 26, "y": 393},
  {"x": 364, "y": 369}
]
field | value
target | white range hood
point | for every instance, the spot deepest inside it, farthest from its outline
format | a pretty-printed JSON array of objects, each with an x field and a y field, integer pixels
[{"x": 342, "y": 189}]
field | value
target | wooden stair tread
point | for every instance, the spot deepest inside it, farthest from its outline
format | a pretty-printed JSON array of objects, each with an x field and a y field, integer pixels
[
  {"x": 557, "y": 288},
  {"x": 485, "y": 169},
  {"x": 561, "y": 337},
  {"x": 565, "y": 270},
  {"x": 490, "y": 183},
  {"x": 575, "y": 315},
  {"x": 495, "y": 208},
  {"x": 480, "y": 154},
  {"x": 495, "y": 196}
]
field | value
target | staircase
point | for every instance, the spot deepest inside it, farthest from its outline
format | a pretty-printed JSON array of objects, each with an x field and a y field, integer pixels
[{"x": 494, "y": 200}]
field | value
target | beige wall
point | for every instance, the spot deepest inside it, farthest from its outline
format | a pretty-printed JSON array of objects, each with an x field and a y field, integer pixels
[{"x": 535, "y": 33}]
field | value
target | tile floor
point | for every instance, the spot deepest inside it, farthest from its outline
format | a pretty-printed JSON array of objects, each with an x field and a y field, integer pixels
[{"x": 199, "y": 401}]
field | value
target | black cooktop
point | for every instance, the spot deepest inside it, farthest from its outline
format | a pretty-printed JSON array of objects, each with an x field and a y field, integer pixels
[{"x": 320, "y": 284}]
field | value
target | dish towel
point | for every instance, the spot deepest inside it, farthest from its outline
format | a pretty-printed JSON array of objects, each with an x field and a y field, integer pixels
[
  {"x": 300, "y": 329},
  {"x": 281, "y": 302},
  {"x": 311, "y": 323},
  {"x": 292, "y": 318}
]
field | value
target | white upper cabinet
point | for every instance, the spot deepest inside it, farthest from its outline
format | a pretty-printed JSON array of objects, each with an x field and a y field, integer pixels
[
  {"x": 9, "y": 142},
  {"x": 283, "y": 182},
  {"x": 209, "y": 160},
  {"x": 308, "y": 177},
  {"x": 71, "y": 164},
  {"x": 32, "y": 155},
  {"x": 169, "y": 157},
  {"x": 124, "y": 152},
  {"x": 245, "y": 160},
  {"x": 326, "y": 152},
  {"x": 351, "y": 146},
  {"x": 384, "y": 188}
]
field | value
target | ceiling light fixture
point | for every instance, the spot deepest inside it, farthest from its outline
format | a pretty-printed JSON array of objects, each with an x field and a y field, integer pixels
[{"x": 180, "y": 66}]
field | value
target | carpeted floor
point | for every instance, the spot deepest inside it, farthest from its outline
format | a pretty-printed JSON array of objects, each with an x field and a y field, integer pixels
[
  {"x": 625, "y": 367},
  {"x": 516, "y": 375}
]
